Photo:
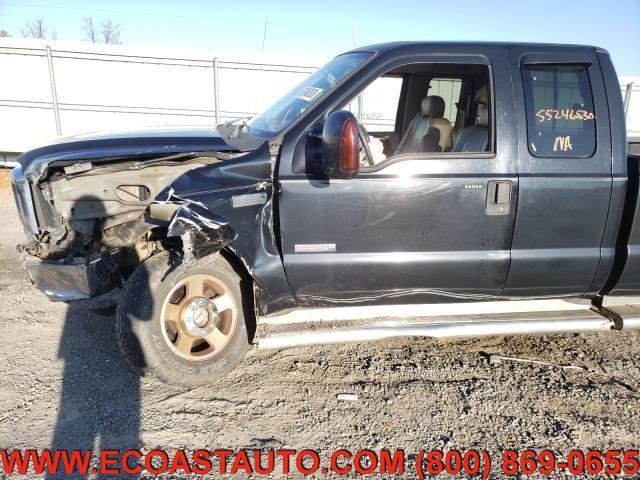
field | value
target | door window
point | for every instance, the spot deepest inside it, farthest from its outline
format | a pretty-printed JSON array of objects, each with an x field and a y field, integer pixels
[
  {"x": 560, "y": 113},
  {"x": 412, "y": 109},
  {"x": 376, "y": 108}
]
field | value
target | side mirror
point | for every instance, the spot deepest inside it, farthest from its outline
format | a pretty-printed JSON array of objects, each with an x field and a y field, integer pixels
[{"x": 340, "y": 145}]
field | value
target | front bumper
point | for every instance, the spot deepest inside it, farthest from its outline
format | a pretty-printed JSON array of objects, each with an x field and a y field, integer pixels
[{"x": 81, "y": 279}]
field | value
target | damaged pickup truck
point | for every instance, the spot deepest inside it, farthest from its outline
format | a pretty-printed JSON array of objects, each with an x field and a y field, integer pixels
[{"x": 491, "y": 195}]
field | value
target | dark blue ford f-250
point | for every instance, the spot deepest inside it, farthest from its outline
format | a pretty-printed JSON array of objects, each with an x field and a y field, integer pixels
[{"x": 508, "y": 205}]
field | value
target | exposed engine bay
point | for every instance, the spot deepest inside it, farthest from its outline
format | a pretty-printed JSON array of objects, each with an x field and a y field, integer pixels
[{"x": 95, "y": 218}]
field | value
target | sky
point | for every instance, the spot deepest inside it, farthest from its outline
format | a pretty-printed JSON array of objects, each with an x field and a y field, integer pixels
[{"x": 328, "y": 27}]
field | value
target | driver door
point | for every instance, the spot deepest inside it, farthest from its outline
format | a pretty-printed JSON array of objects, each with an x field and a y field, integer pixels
[{"x": 413, "y": 228}]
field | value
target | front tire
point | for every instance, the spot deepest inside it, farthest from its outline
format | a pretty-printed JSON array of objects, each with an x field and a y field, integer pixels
[{"x": 183, "y": 325}]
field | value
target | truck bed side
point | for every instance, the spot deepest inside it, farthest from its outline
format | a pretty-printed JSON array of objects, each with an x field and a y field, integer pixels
[
  {"x": 624, "y": 278},
  {"x": 625, "y": 275}
]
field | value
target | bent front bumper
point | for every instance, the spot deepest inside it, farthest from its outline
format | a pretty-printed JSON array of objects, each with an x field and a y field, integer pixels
[{"x": 81, "y": 279}]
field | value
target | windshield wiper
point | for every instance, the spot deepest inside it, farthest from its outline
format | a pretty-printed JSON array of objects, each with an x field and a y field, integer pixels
[
  {"x": 230, "y": 131},
  {"x": 234, "y": 120}
]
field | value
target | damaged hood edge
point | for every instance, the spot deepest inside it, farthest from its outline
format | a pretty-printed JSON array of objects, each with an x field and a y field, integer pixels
[{"x": 102, "y": 147}]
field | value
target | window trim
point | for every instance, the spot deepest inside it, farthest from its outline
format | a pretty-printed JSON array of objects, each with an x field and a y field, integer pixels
[{"x": 426, "y": 156}]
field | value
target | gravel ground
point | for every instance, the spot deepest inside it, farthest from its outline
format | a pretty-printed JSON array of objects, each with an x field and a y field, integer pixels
[{"x": 65, "y": 385}]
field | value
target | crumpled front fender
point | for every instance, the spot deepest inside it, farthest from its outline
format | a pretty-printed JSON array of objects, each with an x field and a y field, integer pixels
[
  {"x": 240, "y": 192},
  {"x": 202, "y": 231}
]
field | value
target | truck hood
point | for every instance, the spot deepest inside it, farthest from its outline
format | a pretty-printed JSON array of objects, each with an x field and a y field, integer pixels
[{"x": 124, "y": 145}]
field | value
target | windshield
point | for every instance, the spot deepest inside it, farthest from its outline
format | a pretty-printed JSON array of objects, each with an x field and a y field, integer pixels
[{"x": 307, "y": 93}]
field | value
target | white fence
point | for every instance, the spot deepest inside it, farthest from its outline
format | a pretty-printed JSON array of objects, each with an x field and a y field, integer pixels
[{"x": 53, "y": 89}]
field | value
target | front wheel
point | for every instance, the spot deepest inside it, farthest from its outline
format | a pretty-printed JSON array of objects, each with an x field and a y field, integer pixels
[{"x": 182, "y": 325}]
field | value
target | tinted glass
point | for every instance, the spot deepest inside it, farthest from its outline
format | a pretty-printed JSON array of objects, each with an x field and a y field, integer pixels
[{"x": 560, "y": 114}]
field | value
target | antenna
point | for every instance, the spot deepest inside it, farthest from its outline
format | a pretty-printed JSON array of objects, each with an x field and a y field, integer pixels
[{"x": 264, "y": 35}]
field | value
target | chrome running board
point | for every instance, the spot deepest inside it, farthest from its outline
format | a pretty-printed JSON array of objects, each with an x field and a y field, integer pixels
[{"x": 276, "y": 335}]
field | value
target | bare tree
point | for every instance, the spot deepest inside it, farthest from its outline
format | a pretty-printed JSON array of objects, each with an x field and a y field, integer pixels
[
  {"x": 37, "y": 28},
  {"x": 4, "y": 33},
  {"x": 110, "y": 32},
  {"x": 89, "y": 30}
]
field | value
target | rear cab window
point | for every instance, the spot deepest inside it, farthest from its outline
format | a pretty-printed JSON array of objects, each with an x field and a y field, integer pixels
[
  {"x": 449, "y": 89},
  {"x": 559, "y": 110}
]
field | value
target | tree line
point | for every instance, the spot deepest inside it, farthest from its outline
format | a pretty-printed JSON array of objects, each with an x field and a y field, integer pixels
[{"x": 107, "y": 31}]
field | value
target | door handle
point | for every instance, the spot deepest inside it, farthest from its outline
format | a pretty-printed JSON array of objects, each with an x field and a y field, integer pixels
[{"x": 498, "y": 197}]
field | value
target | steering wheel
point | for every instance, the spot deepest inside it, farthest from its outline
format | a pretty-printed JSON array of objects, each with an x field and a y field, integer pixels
[{"x": 364, "y": 138}]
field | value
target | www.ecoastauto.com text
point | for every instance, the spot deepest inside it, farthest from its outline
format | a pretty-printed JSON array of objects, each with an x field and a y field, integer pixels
[{"x": 421, "y": 464}]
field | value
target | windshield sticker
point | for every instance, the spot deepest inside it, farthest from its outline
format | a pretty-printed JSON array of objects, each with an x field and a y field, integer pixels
[
  {"x": 545, "y": 115},
  {"x": 309, "y": 93}
]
